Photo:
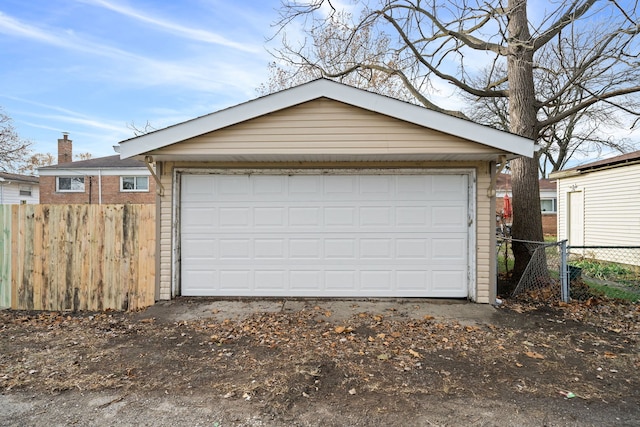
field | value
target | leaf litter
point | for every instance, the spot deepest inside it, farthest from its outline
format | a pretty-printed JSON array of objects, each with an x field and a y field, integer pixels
[{"x": 282, "y": 358}]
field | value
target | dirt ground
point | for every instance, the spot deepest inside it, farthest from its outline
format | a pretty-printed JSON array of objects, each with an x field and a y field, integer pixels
[{"x": 325, "y": 362}]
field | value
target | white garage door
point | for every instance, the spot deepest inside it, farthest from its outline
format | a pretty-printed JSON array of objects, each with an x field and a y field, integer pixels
[{"x": 403, "y": 235}]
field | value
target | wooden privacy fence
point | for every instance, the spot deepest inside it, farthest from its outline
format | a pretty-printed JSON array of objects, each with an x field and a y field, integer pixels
[{"x": 77, "y": 257}]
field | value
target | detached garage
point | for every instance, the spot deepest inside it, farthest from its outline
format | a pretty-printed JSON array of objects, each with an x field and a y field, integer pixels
[{"x": 324, "y": 190}]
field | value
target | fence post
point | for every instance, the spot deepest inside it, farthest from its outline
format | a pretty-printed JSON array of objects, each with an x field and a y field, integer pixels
[{"x": 564, "y": 273}]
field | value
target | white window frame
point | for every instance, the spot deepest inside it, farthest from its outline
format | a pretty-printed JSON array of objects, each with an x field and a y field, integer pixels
[
  {"x": 554, "y": 201},
  {"x": 135, "y": 180},
  {"x": 25, "y": 190},
  {"x": 71, "y": 189}
]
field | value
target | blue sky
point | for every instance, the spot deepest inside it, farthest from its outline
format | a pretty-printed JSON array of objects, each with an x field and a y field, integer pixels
[{"x": 90, "y": 67}]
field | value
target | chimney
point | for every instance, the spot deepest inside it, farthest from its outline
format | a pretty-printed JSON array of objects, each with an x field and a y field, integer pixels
[{"x": 65, "y": 149}]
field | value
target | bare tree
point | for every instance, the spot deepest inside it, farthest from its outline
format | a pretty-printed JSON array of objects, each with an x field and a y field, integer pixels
[
  {"x": 13, "y": 149},
  {"x": 31, "y": 164},
  {"x": 83, "y": 156},
  {"x": 141, "y": 131},
  {"x": 426, "y": 43},
  {"x": 582, "y": 132}
]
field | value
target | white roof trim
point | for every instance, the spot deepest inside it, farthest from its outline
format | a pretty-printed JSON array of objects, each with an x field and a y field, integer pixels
[
  {"x": 323, "y": 88},
  {"x": 96, "y": 171}
]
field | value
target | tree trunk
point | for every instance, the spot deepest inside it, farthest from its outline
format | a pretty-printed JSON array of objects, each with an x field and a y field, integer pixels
[{"x": 527, "y": 219}]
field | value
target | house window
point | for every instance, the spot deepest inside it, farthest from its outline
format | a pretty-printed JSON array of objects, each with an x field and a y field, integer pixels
[
  {"x": 548, "y": 205},
  {"x": 134, "y": 183},
  {"x": 25, "y": 190},
  {"x": 70, "y": 184}
]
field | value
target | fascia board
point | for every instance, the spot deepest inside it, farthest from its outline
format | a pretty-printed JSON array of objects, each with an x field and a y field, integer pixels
[
  {"x": 401, "y": 110},
  {"x": 96, "y": 172}
]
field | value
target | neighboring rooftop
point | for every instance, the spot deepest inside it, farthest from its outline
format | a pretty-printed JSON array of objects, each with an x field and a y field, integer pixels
[
  {"x": 14, "y": 177},
  {"x": 617, "y": 160},
  {"x": 108, "y": 162},
  {"x": 612, "y": 162}
]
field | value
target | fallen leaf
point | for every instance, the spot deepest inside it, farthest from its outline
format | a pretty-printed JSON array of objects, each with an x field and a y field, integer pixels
[
  {"x": 415, "y": 353},
  {"x": 609, "y": 355},
  {"x": 339, "y": 329},
  {"x": 428, "y": 317},
  {"x": 534, "y": 355},
  {"x": 383, "y": 357},
  {"x": 519, "y": 365}
]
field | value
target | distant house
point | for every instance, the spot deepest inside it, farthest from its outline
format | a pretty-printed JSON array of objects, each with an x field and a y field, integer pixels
[
  {"x": 548, "y": 201},
  {"x": 16, "y": 189},
  {"x": 100, "y": 180},
  {"x": 599, "y": 202}
]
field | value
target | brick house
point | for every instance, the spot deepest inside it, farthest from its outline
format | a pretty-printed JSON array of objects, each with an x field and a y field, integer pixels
[
  {"x": 548, "y": 201},
  {"x": 100, "y": 180}
]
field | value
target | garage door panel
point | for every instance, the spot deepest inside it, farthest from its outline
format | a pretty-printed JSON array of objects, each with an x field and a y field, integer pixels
[
  {"x": 310, "y": 280},
  {"x": 234, "y": 281},
  {"x": 412, "y": 249},
  {"x": 412, "y": 280},
  {"x": 339, "y": 187},
  {"x": 340, "y": 249},
  {"x": 412, "y": 217},
  {"x": 271, "y": 280},
  {"x": 323, "y": 235},
  {"x": 345, "y": 281},
  {"x": 194, "y": 248},
  {"x": 448, "y": 217},
  {"x": 239, "y": 249},
  {"x": 377, "y": 187},
  {"x": 449, "y": 282},
  {"x": 375, "y": 281},
  {"x": 305, "y": 187},
  {"x": 450, "y": 248},
  {"x": 448, "y": 186},
  {"x": 269, "y": 186},
  {"x": 304, "y": 216},
  {"x": 234, "y": 217},
  {"x": 339, "y": 216},
  {"x": 269, "y": 249},
  {"x": 304, "y": 249},
  {"x": 199, "y": 218},
  {"x": 376, "y": 216},
  {"x": 378, "y": 249}
]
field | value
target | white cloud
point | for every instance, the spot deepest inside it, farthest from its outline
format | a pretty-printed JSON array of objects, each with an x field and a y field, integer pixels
[
  {"x": 207, "y": 72},
  {"x": 172, "y": 27}
]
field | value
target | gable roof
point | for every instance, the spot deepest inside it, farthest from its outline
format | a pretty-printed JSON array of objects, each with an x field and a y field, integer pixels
[
  {"x": 323, "y": 88},
  {"x": 612, "y": 162}
]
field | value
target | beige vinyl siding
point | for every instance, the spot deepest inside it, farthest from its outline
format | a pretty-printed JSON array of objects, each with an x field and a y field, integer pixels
[
  {"x": 324, "y": 127},
  {"x": 165, "y": 221},
  {"x": 484, "y": 215},
  {"x": 485, "y": 229},
  {"x": 611, "y": 206}
]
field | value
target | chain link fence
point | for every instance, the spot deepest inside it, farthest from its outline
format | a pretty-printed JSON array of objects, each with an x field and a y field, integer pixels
[
  {"x": 542, "y": 278},
  {"x": 612, "y": 265},
  {"x": 559, "y": 272}
]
